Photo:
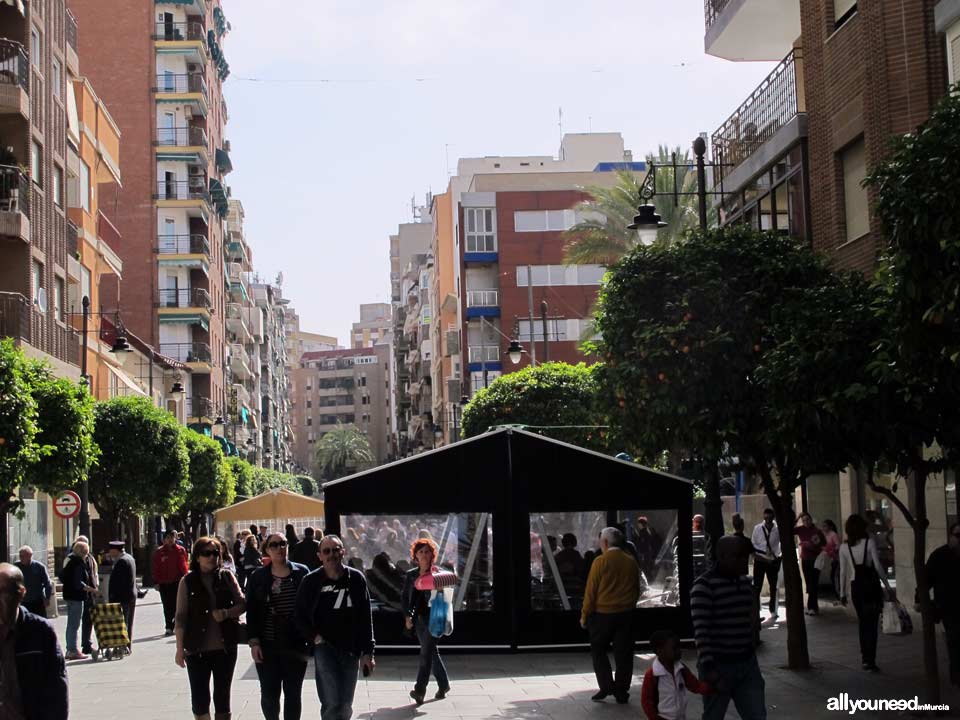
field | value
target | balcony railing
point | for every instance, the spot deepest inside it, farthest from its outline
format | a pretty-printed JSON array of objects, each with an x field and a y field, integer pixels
[
  {"x": 184, "y": 298},
  {"x": 483, "y": 298},
  {"x": 772, "y": 105},
  {"x": 21, "y": 321},
  {"x": 14, "y": 316},
  {"x": 72, "y": 239},
  {"x": 14, "y": 66},
  {"x": 712, "y": 9},
  {"x": 195, "y": 352},
  {"x": 171, "y": 83},
  {"x": 200, "y": 407},
  {"x": 71, "y": 23},
  {"x": 15, "y": 190},
  {"x": 183, "y": 245},
  {"x": 184, "y": 136},
  {"x": 483, "y": 353},
  {"x": 193, "y": 189},
  {"x": 179, "y": 31}
]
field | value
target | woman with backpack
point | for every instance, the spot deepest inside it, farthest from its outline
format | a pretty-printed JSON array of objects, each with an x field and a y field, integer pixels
[{"x": 862, "y": 573}]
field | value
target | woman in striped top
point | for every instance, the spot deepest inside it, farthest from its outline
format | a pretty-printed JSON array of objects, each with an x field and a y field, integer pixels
[{"x": 278, "y": 650}]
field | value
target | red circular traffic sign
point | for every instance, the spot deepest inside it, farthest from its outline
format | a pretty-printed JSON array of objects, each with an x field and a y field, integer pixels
[{"x": 67, "y": 505}]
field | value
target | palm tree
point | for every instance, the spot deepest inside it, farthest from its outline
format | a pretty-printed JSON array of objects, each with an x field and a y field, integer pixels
[
  {"x": 602, "y": 237},
  {"x": 341, "y": 449}
]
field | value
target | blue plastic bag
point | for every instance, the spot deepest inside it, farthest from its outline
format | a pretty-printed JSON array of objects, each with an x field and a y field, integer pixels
[{"x": 438, "y": 615}]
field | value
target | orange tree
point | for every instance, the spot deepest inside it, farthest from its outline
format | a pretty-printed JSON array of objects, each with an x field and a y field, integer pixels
[{"x": 734, "y": 343}]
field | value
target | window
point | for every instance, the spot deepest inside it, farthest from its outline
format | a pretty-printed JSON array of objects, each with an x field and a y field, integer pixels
[
  {"x": 37, "y": 280},
  {"x": 35, "y": 50},
  {"x": 84, "y": 282},
  {"x": 365, "y": 400},
  {"x": 56, "y": 79},
  {"x": 309, "y": 422},
  {"x": 653, "y": 533},
  {"x": 544, "y": 220},
  {"x": 58, "y": 297},
  {"x": 84, "y": 186},
  {"x": 363, "y": 381},
  {"x": 556, "y": 330},
  {"x": 309, "y": 403},
  {"x": 481, "y": 233},
  {"x": 559, "y": 275},
  {"x": 58, "y": 186},
  {"x": 562, "y": 546},
  {"x": 843, "y": 10},
  {"x": 36, "y": 162},
  {"x": 856, "y": 213},
  {"x": 380, "y": 546}
]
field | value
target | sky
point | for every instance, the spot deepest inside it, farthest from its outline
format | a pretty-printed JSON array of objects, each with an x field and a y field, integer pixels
[{"x": 343, "y": 111}]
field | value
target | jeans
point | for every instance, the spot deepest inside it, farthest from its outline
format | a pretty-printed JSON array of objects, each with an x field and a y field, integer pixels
[
  {"x": 74, "y": 617},
  {"x": 336, "y": 673},
  {"x": 200, "y": 666},
  {"x": 811, "y": 578},
  {"x": 86, "y": 627},
  {"x": 280, "y": 671},
  {"x": 742, "y": 682},
  {"x": 768, "y": 569},
  {"x": 615, "y": 628},
  {"x": 168, "y": 596},
  {"x": 868, "y": 620},
  {"x": 429, "y": 658}
]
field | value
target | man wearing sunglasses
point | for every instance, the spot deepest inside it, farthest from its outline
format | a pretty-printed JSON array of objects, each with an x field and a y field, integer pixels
[
  {"x": 943, "y": 575},
  {"x": 333, "y": 613}
]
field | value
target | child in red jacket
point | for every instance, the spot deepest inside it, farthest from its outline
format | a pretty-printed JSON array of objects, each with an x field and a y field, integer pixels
[{"x": 666, "y": 682}]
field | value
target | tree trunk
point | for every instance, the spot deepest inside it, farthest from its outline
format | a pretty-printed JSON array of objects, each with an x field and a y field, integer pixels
[
  {"x": 798, "y": 653},
  {"x": 931, "y": 671}
]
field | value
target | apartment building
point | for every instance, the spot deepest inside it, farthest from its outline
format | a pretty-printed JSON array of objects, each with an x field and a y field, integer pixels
[
  {"x": 348, "y": 387},
  {"x": 374, "y": 327},
  {"x": 445, "y": 331},
  {"x": 275, "y": 445},
  {"x": 162, "y": 77},
  {"x": 850, "y": 75}
]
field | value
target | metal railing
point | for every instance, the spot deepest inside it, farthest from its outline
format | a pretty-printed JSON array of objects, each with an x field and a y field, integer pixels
[
  {"x": 183, "y": 298},
  {"x": 200, "y": 407},
  {"x": 772, "y": 105},
  {"x": 14, "y": 316},
  {"x": 182, "y": 245},
  {"x": 20, "y": 320},
  {"x": 15, "y": 190},
  {"x": 177, "y": 83},
  {"x": 193, "y": 189},
  {"x": 184, "y": 136},
  {"x": 72, "y": 239},
  {"x": 179, "y": 31},
  {"x": 483, "y": 353},
  {"x": 712, "y": 9},
  {"x": 14, "y": 65},
  {"x": 483, "y": 298},
  {"x": 71, "y": 28},
  {"x": 191, "y": 352}
]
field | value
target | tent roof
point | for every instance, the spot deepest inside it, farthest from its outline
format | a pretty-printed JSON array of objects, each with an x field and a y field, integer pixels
[{"x": 276, "y": 503}]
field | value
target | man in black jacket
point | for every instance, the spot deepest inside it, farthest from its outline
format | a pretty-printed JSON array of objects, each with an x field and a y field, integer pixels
[
  {"x": 33, "y": 677},
  {"x": 333, "y": 614},
  {"x": 123, "y": 584},
  {"x": 307, "y": 551}
]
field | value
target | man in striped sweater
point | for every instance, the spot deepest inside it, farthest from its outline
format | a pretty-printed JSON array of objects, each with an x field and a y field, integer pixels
[{"x": 723, "y": 606}]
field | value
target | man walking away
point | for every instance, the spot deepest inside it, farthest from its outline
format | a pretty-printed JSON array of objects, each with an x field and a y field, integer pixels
[
  {"x": 612, "y": 592},
  {"x": 33, "y": 677},
  {"x": 169, "y": 565},
  {"x": 37, "y": 581},
  {"x": 123, "y": 584},
  {"x": 766, "y": 558},
  {"x": 333, "y": 613},
  {"x": 722, "y": 607},
  {"x": 943, "y": 573},
  {"x": 307, "y": 551}
]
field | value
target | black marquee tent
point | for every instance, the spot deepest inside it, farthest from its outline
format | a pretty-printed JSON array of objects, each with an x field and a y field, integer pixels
[{"x": 505, "y": 508}]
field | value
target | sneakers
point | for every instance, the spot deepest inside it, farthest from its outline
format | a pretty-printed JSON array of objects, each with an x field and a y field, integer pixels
[{"x": 76, "y": 656}]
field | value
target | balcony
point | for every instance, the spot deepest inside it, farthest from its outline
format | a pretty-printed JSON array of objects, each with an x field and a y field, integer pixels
[
  {"x": 185, "y": 142},
  {"x": 189, "y": 89},
  {"x": 240, "y": 362},
  {"x": 183, "y": 245},
  {"x": 767, "y": 124},
  {"x": 15, "y": 192},
  {"x": 483, "y": 353},
  {"x": 239, "y": 283},
  {"x": 183, "y": 298},
  {"x": 237, "y": 322},
  {"x": 73, "y": 239},
  {"x": 179, "y": 32},
  {"x": 750, "y": 29},
  {"x": 14, "y": 79},
  {"x": 243, "y": 396},
  {"x": 195, "y": 354},
  {"x": 193, "y": 189},
  {"x": 20, "y": 320},
  {"x": 200, "y": 409},
  {"x": 483, "y": 303}
]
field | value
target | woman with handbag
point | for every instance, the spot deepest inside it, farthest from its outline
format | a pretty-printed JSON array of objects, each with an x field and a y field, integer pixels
[
  {"x": 209, "y": 602},
  {"x": 860, "y": 569},
  {"x": 278, "y": 651},
  {"x": 416, "y": 613}
]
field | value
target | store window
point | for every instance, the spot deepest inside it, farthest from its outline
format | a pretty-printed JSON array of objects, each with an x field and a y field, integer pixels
[
  {"x": 562, "y": 547},
  {"x": 379, "y": 546},
  {"x": 654, "y": 535}
]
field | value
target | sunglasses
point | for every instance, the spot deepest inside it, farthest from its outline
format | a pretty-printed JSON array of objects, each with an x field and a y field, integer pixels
[
  {"x": 208, "y": 553},
  {"x": 278, "y": 544},
  {"x": 331, "y": 550}
]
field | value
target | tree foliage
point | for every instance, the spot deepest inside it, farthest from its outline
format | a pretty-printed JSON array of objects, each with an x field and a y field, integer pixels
[
  {"x": 554, "y": 399},
  {"x": 144, "y": 466},
  {"x": 341, "y": 450},
  {"x": 266, "y": 479},
  {"x": 242, "y": 472},
  {"x": 602, "y": 235},
  {"x": 18, "y": 423},
  {"x": 212, "y": 484}
]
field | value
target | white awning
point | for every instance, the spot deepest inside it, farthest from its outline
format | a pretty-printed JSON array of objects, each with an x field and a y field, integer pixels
[
  {"x": 73, "y": 121},
  {"x": 128, "y": 384}
]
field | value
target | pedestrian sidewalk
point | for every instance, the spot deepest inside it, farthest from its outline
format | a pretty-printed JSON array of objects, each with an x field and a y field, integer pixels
[{"x": 542, "y": 686}]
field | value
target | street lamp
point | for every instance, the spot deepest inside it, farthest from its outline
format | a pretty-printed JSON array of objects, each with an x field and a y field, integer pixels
[
  {"x": 515, "y": 351},
  {"x": 646, "y": 222}
]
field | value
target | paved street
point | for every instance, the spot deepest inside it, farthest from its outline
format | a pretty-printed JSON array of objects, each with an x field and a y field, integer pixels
[{"x": 148, "y": 686}]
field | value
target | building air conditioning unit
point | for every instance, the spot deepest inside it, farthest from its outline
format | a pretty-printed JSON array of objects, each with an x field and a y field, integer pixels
[{"x": 193, "y": 68}]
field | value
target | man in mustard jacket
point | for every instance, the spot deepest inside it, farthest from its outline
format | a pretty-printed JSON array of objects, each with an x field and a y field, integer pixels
[{"x": 612, "y": 592}]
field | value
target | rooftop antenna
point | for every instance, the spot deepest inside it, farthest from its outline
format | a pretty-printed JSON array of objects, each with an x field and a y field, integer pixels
[{"x": 560, "y": 124}]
